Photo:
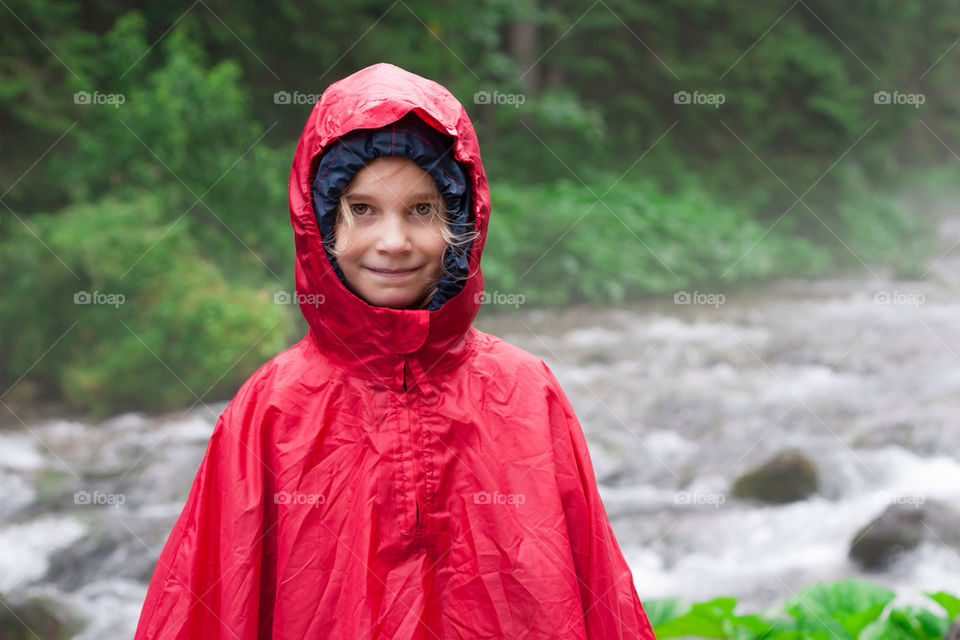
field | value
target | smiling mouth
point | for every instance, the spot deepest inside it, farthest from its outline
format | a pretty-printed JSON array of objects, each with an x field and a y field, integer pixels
[{"x": 392, "y": 273}]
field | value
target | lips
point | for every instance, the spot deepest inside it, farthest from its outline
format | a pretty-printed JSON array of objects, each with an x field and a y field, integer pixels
[{"x": 396, "y": 273}]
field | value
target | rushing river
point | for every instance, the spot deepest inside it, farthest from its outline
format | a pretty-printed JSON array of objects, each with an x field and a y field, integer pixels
[{"x": 677, "y": 400}]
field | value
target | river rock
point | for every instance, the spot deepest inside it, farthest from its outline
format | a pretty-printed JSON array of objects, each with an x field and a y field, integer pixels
[
  {"x": 110, "y": 550},
  {"x": 902, "y": 527},
  {"x": 787, "y": 477}
]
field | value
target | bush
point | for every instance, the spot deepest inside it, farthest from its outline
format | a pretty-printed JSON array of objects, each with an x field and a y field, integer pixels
[
  {"x": 166, "y": 327},
  {"x": 556, "y": 243}
]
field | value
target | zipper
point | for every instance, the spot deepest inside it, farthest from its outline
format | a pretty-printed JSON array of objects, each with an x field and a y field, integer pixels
[
  {"x": 406, "y": 379},
  {"x": 419, "y": 460}
]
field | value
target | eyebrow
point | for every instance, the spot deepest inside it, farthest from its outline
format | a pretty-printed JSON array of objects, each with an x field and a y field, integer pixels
[{"x": 416, "y": 196}]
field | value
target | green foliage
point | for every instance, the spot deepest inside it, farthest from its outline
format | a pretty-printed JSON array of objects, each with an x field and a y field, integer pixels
[
  {"x": 558, "y": 242},
  {"x": 713, "y": 619},
  {"x": 604, "y": 188},
  {"x": 187, "y": 130},
  {"x": 842, "y": 610},
  {"x": 185, "y": 124},
  {"x": 168, "y": 329},
  {"x": 542, "y": 136},
  {"x": 838, "y": 610},
  {"x": 879, "y": 231}
]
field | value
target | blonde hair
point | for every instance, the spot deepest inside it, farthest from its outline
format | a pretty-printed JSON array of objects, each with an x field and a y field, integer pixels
[{"x": 345, "y": 223}]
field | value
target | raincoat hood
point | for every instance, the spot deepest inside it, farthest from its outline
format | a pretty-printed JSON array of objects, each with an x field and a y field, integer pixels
[{"x": 347, "y": 329}]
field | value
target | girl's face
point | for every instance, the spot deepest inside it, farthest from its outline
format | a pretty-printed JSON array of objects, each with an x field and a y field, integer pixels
[{"x": 392, "y": 254}]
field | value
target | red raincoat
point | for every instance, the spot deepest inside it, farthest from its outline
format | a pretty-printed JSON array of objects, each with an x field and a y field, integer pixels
[{"x": 397, "y": 473}]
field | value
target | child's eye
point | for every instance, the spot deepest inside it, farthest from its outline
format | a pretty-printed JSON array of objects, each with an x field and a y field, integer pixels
[
  {"x": 359, "y": 209},
  {"x": 423, "y": 208}
]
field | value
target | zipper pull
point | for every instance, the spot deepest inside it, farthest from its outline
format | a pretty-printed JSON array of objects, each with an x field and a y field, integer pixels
[{"x": 417, "y": 376}]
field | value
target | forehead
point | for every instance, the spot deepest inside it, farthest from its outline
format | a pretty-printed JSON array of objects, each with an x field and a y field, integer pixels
[{"x": 392, "y": 174}]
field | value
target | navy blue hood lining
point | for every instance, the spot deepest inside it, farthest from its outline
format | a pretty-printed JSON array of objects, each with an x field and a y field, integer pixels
[{"x": 410, "y": 137}]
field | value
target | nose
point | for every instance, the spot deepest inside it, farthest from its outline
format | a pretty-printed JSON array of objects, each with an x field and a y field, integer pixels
[{"x": 394, "y": 236}]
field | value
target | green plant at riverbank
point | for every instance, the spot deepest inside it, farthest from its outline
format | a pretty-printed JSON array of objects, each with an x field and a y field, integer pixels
[
  {"x": 128, "y": 311},
  {"x": 842, "y": 610},
  {"x": 564, "y": 242}
]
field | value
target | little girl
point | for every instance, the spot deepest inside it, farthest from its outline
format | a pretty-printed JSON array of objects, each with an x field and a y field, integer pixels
[{"x": 396, "y": 474}]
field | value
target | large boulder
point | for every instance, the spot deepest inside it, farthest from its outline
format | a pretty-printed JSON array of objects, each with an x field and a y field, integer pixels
[
  {"x": 787, "y": 477},
  {"x": 902, "y": 527}
]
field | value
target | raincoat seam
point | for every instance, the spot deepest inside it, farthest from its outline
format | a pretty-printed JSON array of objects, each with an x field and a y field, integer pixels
[
  {"x": 336, "y": 152},
  {"x": 429, "y": 470},
  {"x": 452, "y": 179},
  {"x": 405, "y": 459}
]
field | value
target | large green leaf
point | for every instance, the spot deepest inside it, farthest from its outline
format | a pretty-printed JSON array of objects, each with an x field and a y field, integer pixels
[
  {"x": 705, "y": 619},
  {"x": 949, "y": 602},
  {"x": 843, "y": 608}
]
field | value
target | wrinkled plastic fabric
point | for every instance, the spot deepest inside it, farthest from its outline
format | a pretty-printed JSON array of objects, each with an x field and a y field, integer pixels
[{"x": 397, "y": 473}]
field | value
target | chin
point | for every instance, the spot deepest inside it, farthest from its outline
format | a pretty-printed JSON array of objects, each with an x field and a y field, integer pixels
[{"x": 393, "y": 301}]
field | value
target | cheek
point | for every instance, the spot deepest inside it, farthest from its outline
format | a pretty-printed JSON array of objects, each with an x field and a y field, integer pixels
[{"x": 435, "y": 246}]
